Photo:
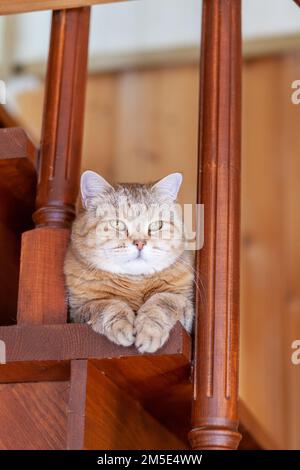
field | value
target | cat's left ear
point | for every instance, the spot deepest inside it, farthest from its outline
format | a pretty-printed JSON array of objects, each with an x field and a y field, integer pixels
[
  {"x": 169, "y": 186},
  {"x": 91, "y": 186}
]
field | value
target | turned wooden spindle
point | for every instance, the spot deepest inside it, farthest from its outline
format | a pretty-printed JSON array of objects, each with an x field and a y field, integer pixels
[
  {"x": 214, "y": 418},
  {"x": 41, "y": 288},
  {"x": 62, "y": 130}
]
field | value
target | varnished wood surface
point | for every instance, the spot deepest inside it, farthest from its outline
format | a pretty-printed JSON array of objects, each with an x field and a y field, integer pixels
[
  {"x": 215, "y": 388},
  {"x": 17, "y": 166},
  {"x": 77, "y": 405},
  {"x": 116, "y": 421},
  {"x": 75, "y": 341},
  {"x": 270, "y": 300},
  {"x": 268, "y": 147},
  {"x": 21, "y": 6},
  {"x": 41, "y": 297},
  {"x": 104, "y": 416},
  {"x": 34, "y": 371},
  {"x": 253, "y": 429},
  {"x": 33, "y": 416},
  {"x": 17, "y": 196},
  {"x": 62, "y": 129}
]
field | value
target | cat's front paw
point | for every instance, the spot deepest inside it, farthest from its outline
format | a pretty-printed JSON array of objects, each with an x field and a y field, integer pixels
[
  {"x": 118, "y": 328},
  {"x": 151, "y": 332}
]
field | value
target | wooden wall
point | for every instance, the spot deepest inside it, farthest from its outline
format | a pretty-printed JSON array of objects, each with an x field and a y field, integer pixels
[
  {"x": 142, "y": 124},
  {"x": 270, "y": 300}
]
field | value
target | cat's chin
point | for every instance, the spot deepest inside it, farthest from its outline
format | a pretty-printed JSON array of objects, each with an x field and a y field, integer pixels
[{"x": 136, "y": 267}]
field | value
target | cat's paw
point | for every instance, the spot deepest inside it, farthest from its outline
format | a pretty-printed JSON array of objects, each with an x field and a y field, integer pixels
[
  {"x": 151, "y": 334},
  {"x": 119, "y": 329}
]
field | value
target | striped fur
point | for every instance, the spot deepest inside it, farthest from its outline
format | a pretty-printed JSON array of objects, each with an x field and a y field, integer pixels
[{"x": 104, "y": 288}]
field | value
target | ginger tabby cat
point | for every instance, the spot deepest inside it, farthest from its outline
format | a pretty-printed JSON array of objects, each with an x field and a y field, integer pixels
[{"x": 127, "y": 271}]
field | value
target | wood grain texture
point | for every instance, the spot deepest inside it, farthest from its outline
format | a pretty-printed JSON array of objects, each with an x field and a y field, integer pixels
[
  {"x": 75, "y": 341},
  {"x": 35, "y": 371},
  {"x": 115, "y": 420},
  {"x": 77, "y": 405},
  {"x": 17, "y": 166},
  {"x": 96, "y": 419},
  {"x": 252, "y": 429},
  {"x": 160, "y": 383},
  {"x": 8, "y": 7},
  {"x": 42, "y": 297},
  {"x": 215, "y": 417},
  {"x": 162, "y": 124},
  {"x": 62, "y": 129},
  {"x": 290, "y": 249},
  {"x": 26, "y": 409},
  {"x": 271, "y": 249},
  {"x": 270, "y": 148},
  {"x": 101, "y": 125},
  {"x": 17, "y": 194},
  {"x": 262, "y": 364}
]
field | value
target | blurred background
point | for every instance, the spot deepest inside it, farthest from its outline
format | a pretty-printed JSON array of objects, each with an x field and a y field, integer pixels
[{"x": 141, "y": 123}]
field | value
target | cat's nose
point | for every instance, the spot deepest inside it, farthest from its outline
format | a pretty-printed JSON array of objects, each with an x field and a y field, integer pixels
[{"x": 139, "y": 244}]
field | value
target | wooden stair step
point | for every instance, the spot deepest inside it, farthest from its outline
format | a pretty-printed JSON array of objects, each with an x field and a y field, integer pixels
[
  {"x": 104, "y": 416},
  {"x": 112, "y": 375},
  {"x": 50, "y": 348},
  {"x": 156, "y": 388}
]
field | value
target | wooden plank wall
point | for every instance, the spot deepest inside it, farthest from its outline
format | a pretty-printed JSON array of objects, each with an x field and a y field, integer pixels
[
  {"x": 271, "y": 246},
  {"x": 142, "y": 124}
]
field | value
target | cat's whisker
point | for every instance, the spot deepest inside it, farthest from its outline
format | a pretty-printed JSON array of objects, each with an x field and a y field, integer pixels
[
  {"x": 108, "y": 278},
  {"x": 201, "y": 292}
]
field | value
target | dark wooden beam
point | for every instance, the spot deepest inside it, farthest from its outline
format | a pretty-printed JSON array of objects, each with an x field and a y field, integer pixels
[
  {"x": 17, "y": 195},
  {"x": 34, "y": 371},
  {"x": 18, "y": 158}
]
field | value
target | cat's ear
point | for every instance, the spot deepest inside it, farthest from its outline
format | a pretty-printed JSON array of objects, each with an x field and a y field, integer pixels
[
  {"x": 169, "y": 186},
  {"x": 91, "y": 186}
]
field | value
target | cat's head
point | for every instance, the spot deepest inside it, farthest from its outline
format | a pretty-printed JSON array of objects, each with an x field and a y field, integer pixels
[{"x": 131, "y": 229}]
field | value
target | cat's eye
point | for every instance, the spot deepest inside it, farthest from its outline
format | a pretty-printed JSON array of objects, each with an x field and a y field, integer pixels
[
  {"x": 155, "y": 226},
  {"x": 118, "y": 225}
]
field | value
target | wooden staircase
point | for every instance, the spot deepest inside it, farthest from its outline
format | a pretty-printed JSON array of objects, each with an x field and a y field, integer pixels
[{"x": 63, "y": 386}]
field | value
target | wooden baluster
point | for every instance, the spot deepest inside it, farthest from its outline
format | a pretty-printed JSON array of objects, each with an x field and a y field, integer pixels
[
  {"x": 41, "y": 287},
  {"x": 214, "y": 419}
]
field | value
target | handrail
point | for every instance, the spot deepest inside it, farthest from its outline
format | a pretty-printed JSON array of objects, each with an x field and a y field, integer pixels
[{"x": 8, "y": 7}]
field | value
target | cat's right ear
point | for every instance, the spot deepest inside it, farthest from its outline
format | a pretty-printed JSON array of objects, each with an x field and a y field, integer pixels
[{"x": 91, "y": 186}]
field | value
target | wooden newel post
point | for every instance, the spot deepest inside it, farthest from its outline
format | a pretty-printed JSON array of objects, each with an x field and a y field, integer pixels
[
  {"x": 41, "y": 287},
  {"x": 215, "y": 418}
]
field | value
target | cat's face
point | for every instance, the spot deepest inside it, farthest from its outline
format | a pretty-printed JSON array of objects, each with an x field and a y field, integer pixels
[{"x": 131, "y": 229}]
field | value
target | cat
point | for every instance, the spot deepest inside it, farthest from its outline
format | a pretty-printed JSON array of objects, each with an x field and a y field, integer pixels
[{"x": 127, "y": 272}]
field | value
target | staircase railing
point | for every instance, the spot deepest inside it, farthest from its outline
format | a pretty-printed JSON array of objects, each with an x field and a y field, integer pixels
[{"x": 43, "y": 346}]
